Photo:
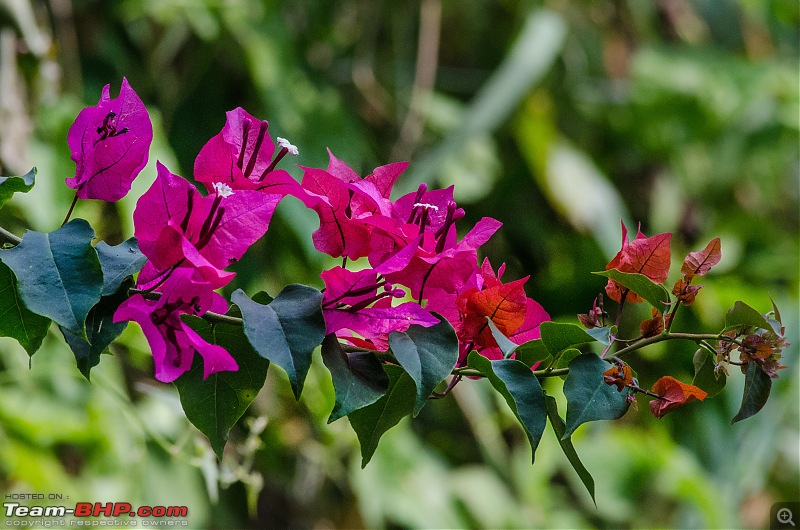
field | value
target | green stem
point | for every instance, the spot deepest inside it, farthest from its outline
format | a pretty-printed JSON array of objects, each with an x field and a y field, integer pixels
[
  {"x": 7, "y": 237},
  {"x": 694, "y": 337}
]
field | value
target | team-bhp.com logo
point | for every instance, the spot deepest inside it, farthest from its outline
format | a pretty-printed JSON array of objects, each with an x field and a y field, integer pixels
[{"x": 25, "y": 516}]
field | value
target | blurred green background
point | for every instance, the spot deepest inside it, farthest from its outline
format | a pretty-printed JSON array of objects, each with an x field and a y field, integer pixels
[{"x": 559, "y": 118}]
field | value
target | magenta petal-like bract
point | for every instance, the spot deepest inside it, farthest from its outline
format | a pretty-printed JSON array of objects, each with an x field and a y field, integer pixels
[
  {"x": 241, "y": 156},
  {"x": 174, "y": 205},
  {"x": 171, "y": 340},
  {"x": 375, "y": 322},
  {"x": 109, "y": 143}
]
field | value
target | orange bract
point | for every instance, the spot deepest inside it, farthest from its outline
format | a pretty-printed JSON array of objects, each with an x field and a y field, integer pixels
[{"x": 674, "y": 394}]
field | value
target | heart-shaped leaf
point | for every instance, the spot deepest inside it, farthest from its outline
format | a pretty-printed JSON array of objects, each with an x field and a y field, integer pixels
[
  {"x": 655, "y": 294},
  {"x": 589, "y": 397},
  {"x": 521, "y": 390},
  {"x": 286, "y": 330},
  {"x": 757, "y": 386},
  {"x": 358, "y": 377},
  {"x": 119, "y": 262},
  {"x": 215, "y": 404},
  {"x": 58, "y": 274},
  {"x": 427, "y": 354},
  {"x": 742, "y": 314},
  {"x": 16, "y": 320},
  {"x": 558, "y": 336},
  {"x": 371, "y": 422}
]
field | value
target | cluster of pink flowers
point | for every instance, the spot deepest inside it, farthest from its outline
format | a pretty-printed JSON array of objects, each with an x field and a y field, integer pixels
[
  {"x": 412, "y": 263},
  {"x": 189, "y": 239},
  {"x": 414, "y": 254}
]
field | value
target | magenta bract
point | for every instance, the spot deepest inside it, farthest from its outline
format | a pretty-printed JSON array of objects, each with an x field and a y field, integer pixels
[
  {"x": 174, "y": 223},
  {"x": 242, "y": 155},
  {"x": 172, "y": 341},
  {"x": 110, "y": 143}
]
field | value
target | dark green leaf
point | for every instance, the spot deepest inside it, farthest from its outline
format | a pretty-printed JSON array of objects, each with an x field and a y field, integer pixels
[
  {"x": 58, "y": 274},
  {"x": 214, "y": 405},
  {"x": 601, "y": 335},
  {"x": 427, "y": 354},
  {"x": 640, "y": 284},
  {"x": 742, "y": 314},
  {"x": 566, "y": 445},
  {"x": 532, "y": 352},
  {"x": 358, "y": 377},
  {"x": 11, "y": 185},
  {"x": 705, "y": 377},
  {"x": 286, "y": 330},
  {"x": 521, "y": 390},
  {"x": 372, "y": 421},
  {"x": 101, "y": 330},
  {"x": 566, "y": 357},
  {"x": 589, "y": 397},
  {"x": 557, "y": 336},
  {"x": 119, "y": 262},
  {"x": 757, "y": 385},
  {"x": 16, "y": 320}
]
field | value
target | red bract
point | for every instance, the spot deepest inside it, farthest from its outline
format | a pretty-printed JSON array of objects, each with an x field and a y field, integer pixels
[
  {"x": 674, "y": 394},
  {"x": 484, "y": 297},
  {"x": 175, "y": 224},
  {"x": 172, "y": 341},
  {"x": 347, "y": 205},
  {"x": 699, "y": 263},
  {"x": 243, "y": 157},
  {"x": 649, "y": 256},
  {"x": 109, "y": 144}
]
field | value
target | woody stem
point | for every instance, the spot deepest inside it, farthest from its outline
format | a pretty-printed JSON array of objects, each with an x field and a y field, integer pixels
[{"x": 71, "y": 207}]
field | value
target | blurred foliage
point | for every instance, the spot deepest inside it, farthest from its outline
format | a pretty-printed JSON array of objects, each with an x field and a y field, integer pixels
[{"x": 558, "y": 117}]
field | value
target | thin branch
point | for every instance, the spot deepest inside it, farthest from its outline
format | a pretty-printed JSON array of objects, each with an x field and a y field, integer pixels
[
  {"x": 71, "y": 207},
  {"x": 7, "y": 237},
  {"x": 694, "y": 337}
]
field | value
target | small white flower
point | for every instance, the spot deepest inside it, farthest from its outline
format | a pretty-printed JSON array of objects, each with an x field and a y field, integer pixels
[
  {"x": 223, "y": 190},
  {"x": 283, "y": 142},
  {"x": 426, "y": 206}
]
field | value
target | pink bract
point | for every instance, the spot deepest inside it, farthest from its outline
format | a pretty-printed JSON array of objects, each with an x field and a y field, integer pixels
[
  {"x": 109, "y": 143},
  {"x": 172, "y": 341},
  {"x": 242, "y": 156},
  {"x": 173, "y": 222}
]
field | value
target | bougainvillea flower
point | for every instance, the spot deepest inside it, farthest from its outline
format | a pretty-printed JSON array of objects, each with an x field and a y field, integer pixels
[
  {"x": 362, "y": 302},
  {"x": 347, "y": 205},
  {"x": 655, "y": 325},
  {"x": 338, "y": 233},
  {"x": 110, "y": 143},
  {"x": 619, "y": 375},
  {"x": 412, "y": 214},
  {"x": 174, "y": 223},
  {"x": 445, "y": 266},
  {"x": 674, "y": 394},
  {"x": 172, "y": 341},
  {"x": 644, "y": 255},
  {"x": 764, "y": 349},
  {"x": 486, "y": 296},
  {"x": 242, "y": 155}
]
